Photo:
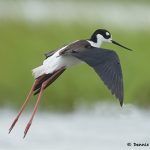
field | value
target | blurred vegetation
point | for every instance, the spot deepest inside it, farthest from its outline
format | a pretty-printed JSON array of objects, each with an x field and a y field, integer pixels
[
  {"x": 22, "y": 46},
  {"x": 127, "y": 1}
]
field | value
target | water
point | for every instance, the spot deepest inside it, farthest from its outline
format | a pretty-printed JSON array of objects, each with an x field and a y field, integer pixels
[{"x": 104, "y": 126}]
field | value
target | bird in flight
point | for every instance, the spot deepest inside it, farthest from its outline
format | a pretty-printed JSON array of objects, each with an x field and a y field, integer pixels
[{"x": 105, "y": 62}]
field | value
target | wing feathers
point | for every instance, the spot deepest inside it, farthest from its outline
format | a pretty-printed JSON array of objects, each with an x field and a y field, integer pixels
[{"x": 107, "y": 65}]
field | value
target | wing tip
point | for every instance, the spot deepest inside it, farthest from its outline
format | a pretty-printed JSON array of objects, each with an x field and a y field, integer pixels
[
  {"x": 120, "y": 98},
  {"x": 121, "y": 103}
]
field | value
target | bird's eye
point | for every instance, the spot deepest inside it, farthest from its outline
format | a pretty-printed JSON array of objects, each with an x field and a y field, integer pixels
[{"x": 107, "y": 33}]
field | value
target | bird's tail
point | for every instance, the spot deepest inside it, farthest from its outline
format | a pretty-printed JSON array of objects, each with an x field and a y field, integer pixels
[
  {"x": 37, "y": 72},
  {"x": 51, "y": 77}
]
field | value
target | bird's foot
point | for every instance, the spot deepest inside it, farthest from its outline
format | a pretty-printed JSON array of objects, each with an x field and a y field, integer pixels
[
  {"x": 27, "y": 128},
  {"x": 13, "y": 124}
]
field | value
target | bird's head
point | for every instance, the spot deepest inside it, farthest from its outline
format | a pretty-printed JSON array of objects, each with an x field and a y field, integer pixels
[{"x": 102, "y": 35}]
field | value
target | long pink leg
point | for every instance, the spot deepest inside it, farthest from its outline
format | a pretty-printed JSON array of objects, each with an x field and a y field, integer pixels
[
  {"x": 44, "y": 84},
  {"x": 23, "y": 106}
]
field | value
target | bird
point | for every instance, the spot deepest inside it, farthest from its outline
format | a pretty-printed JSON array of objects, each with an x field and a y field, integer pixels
[{"x": 105, "y": 62}]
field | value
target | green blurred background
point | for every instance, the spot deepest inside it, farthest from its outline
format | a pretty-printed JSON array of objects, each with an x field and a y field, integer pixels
[{"x": 25, "y": 38}]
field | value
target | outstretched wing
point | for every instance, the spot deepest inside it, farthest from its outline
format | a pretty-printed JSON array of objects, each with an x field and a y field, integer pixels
[{"x": 107, "y": 65}]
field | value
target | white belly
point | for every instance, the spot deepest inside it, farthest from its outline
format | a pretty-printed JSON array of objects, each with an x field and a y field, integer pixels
[{"x": 56, "y": 62}]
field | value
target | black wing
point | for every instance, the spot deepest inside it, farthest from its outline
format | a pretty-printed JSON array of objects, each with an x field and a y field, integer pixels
[
  {"x": 107, "y": 65},
  {"x": 72, "y": 47},
  {"x": 50, "y": 53}
]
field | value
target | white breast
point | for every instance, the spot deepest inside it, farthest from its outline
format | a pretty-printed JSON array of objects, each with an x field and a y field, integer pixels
[{"x": 56, "y": 62}]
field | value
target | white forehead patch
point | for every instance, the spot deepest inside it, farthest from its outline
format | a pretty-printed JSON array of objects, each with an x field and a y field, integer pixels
[{"x": 107, "y": 33}]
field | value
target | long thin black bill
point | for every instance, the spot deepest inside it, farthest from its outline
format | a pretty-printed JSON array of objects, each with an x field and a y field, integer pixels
[{"x": 114, "y": 42}]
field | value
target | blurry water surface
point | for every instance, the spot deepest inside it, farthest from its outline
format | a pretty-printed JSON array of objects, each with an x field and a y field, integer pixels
[{"x": 104, "y": 126}]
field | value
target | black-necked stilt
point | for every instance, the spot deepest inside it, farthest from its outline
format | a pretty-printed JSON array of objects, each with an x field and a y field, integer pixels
[{"x": 104, "y": 61}]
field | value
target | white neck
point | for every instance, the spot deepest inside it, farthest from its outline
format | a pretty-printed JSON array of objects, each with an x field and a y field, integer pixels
[{"x": 98, "y": 43}]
